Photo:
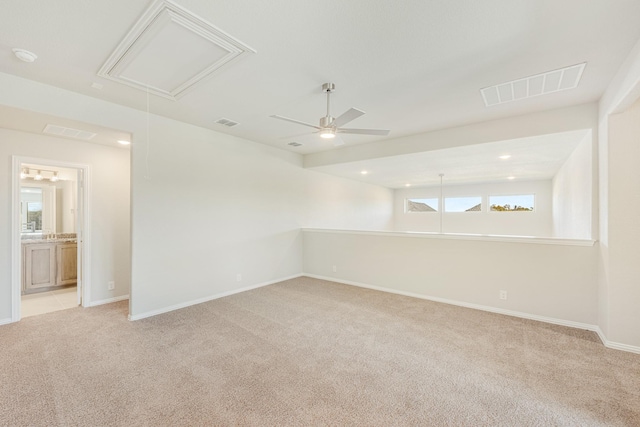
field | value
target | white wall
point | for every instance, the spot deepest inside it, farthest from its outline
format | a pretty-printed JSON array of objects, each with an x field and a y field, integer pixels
[
  {"x": 109, "y": 209},
  {"x": 555, "y": 282},
  {"x": 624, "y": 226},
  {"x": 617, "y": 296},
  {"x": 333, "y": 202},
  {"x": 250, "y": 201},
  {"x": 536, "y": 223},
  {"x": 255, "y": 200},
  {"x": 572, "y": 194},
  {"x": 66, "y": 206}
]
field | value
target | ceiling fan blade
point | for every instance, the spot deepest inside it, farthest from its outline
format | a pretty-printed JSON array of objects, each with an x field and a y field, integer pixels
[
  {"x": 346, "y": 117},
  {"x": 337, "y": 141},
  {"x": 287, "y": 119},
  {"x": 382, "y": 132}
]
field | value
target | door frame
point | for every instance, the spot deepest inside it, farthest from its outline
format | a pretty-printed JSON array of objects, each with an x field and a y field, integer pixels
[{"x": 83, "y": 231}]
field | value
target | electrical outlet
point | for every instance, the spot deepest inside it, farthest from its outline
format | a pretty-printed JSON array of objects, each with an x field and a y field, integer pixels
[
  {"x": 335, "y": 269},
  {"x": 111, "y": 286},
  {"x": 503, "y": 295},
  {"x": 238, "y": 277}
]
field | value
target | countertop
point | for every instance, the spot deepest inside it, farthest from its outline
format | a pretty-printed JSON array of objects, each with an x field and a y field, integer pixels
[{"x": 42, "y": 241}]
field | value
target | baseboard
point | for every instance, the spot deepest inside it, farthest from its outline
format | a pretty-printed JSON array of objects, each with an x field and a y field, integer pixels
[
  {"x": 6, "y": 321},
  {"x": 208, "y": 298},
  {"x": 616, "y": 345},
  {"x": 107, "y": 301},
  {"x": 519, "y": 314}
]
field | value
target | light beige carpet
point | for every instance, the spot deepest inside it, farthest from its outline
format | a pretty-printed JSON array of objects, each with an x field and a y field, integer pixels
[{"x": 309, "y": 352}]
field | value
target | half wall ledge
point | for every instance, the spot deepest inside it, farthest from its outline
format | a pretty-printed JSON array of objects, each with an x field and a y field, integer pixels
[{"x": 461, "y": 236}]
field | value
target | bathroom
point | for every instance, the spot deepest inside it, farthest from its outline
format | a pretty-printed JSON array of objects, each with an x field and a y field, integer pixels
[{"x": 48, "y": 218}]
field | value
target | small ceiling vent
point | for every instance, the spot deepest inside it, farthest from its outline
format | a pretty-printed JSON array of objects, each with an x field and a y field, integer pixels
[
  {"x": 294, "y": 144},
  {"x": 528, "y": 87},
  {"x": 68, "y": 132},
  {"x": 226, "y": 122}
]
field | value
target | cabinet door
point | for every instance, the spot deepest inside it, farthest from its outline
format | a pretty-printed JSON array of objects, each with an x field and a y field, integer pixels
[
  {"x": 40, "y": 266},
  {"x": 67, "y": 254}
]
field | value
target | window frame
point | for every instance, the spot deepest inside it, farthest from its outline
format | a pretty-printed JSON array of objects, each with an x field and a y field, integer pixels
[
  {"x": 406, "y": 205},
  {"x": 444, "y": 203},
  {"x": 534, "y": 210}
]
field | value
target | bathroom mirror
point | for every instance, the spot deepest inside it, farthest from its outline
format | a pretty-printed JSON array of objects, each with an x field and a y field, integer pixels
[
  {"x": 34, "y": 218},
  {"x": 47, "y": 200},
  {"x": 37, "y": 209}
]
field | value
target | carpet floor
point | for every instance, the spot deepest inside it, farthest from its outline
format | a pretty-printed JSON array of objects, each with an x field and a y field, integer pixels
[{"x": 308, "y": 352}]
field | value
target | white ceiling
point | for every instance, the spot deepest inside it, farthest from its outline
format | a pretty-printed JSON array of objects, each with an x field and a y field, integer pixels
[
  {"x": 413, "y": 66},
  {"x": 33, "y": 122},
  {"x": 533, "y": 158}
]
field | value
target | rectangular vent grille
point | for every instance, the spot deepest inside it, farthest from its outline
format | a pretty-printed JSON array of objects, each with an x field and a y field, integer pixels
[
  {"x": 294, "y": 144},
  {"x": 68, "y": 132},
  {"x": 539, "y": 84},
  {"x": 226, "y": 122}
]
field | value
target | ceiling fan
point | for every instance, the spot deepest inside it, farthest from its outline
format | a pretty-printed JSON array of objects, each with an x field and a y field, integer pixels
[{"x": 329, "y": 126}]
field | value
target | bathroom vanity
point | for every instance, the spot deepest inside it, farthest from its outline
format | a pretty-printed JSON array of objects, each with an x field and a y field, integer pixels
[{"x": 48, "y": 264}]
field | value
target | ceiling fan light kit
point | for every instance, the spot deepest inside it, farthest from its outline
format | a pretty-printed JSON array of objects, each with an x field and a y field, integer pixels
[
  {"x": 327, "y": 134},
  {"x": 330, "y": 126}
]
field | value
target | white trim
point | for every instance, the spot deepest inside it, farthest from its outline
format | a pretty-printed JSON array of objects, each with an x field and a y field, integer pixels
[
  {"x": 520, "y": 314},
  {"x": 462, "y": 236},
  {"x": 85, "y": 243},
  {"x": 616, "y": 345},
  {"x": 16, "y": 242},
  {"x": 209, "y": 298},
  {"x": 107, "y": 301},
  {"x": 6, "y": 321}
]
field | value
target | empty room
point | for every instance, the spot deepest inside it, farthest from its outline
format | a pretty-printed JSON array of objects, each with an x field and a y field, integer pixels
[{"x": 319, "y": 213}]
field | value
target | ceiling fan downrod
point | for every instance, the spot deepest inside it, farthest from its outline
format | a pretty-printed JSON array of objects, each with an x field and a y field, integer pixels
[{"x": 327, "y": 120}]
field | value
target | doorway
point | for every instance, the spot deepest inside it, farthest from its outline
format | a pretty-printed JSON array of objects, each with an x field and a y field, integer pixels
[{"x": 49, "y": 236}]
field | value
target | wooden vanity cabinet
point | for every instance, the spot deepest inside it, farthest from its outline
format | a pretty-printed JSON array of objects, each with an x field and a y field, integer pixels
[
  {"x": 48, "y": 265},
  {"x": 40, "y": 266},
  {"x": 67, "y": 262}
]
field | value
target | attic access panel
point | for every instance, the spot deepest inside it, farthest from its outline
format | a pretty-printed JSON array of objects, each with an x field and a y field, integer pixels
[{"x": 170, "y": 50}]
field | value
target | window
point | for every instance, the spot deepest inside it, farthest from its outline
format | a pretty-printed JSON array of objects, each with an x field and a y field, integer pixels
[
  {"x": 421, "y": 205},
  {"x": 463, "y": 204},
  {"x": 519, "y": 203}
]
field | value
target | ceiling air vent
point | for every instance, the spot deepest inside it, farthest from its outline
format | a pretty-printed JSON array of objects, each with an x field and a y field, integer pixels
[
  {"x": 294, "y": 144},
  {"x": 226, "y": 122},
  {"x": 68, "y": 132},
  {"x": 528, "y": 87}
]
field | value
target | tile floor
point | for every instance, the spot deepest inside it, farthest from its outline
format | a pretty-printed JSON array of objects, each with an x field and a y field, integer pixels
[{"x": 46, "y": 302}]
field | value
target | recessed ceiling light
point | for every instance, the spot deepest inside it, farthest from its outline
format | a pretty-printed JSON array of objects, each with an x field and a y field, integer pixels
[
  {"x": 505, "y": 157},
  {"x": 97, "y": 85},
  {"x": 511, "y": 177},
  {"x": 25, "y": 55},
  {"x": 124, "y": 142},
  {"x": 407, "y": 185},
  {"x": 294, "y": 144},
  {"x": 364, "y": 172}
]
